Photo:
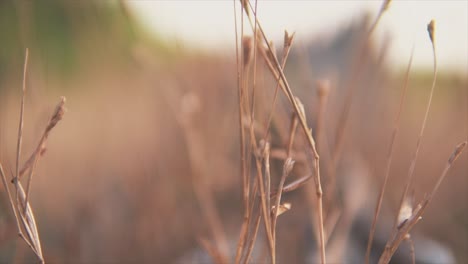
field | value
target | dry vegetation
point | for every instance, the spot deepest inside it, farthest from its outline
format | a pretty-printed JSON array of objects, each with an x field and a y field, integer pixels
[{"x": 213, "y": 159}]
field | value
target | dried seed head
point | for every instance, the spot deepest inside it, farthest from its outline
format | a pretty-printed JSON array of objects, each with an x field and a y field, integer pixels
[
  {"x": 288, "y": 39},
  {"x": 431, "y": 30},
  {"x": 458, "y": 150},
  {"x": 288, "y": 166},
  {"x": 247, "y": 49},
  {"x": 323, "y": 87},
  {"x": 58, "y": 114}
]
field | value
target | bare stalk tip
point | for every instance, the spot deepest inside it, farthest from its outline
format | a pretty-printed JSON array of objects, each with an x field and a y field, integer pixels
[
  {"x": 456, "y": 153},
  {"x": 288, "y": 38},
  {"x": 431, "y": 30}
]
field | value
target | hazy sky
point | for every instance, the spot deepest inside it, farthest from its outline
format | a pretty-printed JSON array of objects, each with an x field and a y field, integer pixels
[{"x": 210, "y": 24}]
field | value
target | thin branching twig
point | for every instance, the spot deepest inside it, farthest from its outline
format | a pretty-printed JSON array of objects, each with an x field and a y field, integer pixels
[{"x": 407, "y": 225}]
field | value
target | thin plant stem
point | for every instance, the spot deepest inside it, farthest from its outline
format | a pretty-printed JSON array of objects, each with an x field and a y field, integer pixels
[
  {"x": 349, "y": 98},
  {"x": 20, "y": 128},
  {"x": 245, "y": 180},
  {"x": 311, "y": 142},
  {"x": 287, "y": 47},
  {"x": 404, "y": 228},
  {"x": 251, "y": 242},
  {"x": 431, "y": 30},
  {"x": 389, "y": 160}
]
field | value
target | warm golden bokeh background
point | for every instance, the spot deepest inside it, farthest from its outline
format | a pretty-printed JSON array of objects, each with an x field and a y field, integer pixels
[{"x": 115, "y": 184}]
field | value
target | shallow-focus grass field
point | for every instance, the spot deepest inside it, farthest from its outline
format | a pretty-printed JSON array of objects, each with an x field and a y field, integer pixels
[{"x": 145, "y": 166}]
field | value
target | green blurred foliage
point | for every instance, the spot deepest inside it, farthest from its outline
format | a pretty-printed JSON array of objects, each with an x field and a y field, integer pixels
[{"x": 65, "y": 37}]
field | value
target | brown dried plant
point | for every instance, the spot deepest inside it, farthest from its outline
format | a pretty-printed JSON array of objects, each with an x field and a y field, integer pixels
[
  {"x": 404, "y": 223},
  {"x": 25, "y": 219}
]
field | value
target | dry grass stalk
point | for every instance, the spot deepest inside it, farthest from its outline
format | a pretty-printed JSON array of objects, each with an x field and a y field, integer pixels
[
  {"x": 287, "y": 168},
  {"x": 384, "y": 7},
  {"x": 262, "y": 188},
  {"x": 246, "y": 107},
  {"x": 404, "y": 228},
  {"x": 286, "y": 49},
  {"x": 24, "y": 216},
  {"x": 32, "y": 161},
  {"x": 253, "y": 237},
  {"x": 20, "y": 128},
  {"x": 346, "y": 110},
  {"x": 256, "y": 222},
  {"x": 20, "y": 221},
  {"x": 23, "y": 210},
  {"x": 430, "y": 29},
  {"x": 389, "y": 160},
  {"x": 245, "y": 181},
  {"x": 267, "y": 200},
  {"x": 404, "y": 224},
  {"x": 310, "y": 141},
  {"x": 297, "y": 183}
]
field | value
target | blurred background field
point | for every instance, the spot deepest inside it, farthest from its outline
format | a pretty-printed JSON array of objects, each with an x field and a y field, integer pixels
[{"x": 115, "y": 184}]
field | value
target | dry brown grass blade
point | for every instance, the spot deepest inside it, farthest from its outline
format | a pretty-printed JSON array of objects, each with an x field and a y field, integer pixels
[
  {"x": 310, "y": 140},
  {"x": 254, "y": 149},
  {"x": 253, "y": 234},
  {"x": 245, "y": 180},
  {"x": 266, "y": 160},
  {"x": 260, "y": 182},
  {"x": 343, "y": 118},
  {"x": 10, "y": 198},
  {"x": 20, "y": 128},
  {"x": 287, "y": 168},
  {"x": 401, "y": 229},
  {"x": 263, "y": 200},
  {"x": 405, "y": 228},
  {"x": 22, "y": 211},
  {"x": 32, "y": 161},
  {"x": 431, "y": 29},
  {"x": 251, "y": 242},
  {"x": 13, "y": 206},
  {"x": 28, "y": 221},
  {"x": 57, "y": 115},
  {"x": 384, "y": 7},
  {"x": 265, "y": 186},
  {"x": 296, "y": 184},
  {"x": 389, "y": 160},
  {"x": 288, "y": 39}
]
